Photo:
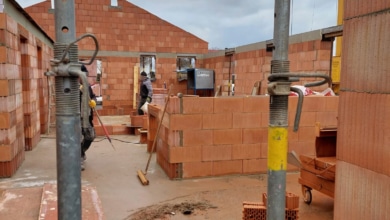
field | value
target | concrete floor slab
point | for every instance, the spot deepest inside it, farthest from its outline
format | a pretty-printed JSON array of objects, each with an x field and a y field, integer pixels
[{"x": 114, "y": 175}]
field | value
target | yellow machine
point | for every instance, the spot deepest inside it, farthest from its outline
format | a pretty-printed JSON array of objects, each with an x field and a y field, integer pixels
[{"x": 336, "y": 60}]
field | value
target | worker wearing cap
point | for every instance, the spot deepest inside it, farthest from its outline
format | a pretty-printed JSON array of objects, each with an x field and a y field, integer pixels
[
  {"x": 146, "y": 91},
  {"x": 86, "y": 142}
]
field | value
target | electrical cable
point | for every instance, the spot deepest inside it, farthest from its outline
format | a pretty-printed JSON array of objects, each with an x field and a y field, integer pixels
[{"x": 101, "y": 139}]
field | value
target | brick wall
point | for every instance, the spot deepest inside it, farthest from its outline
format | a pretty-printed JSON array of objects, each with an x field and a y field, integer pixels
[
  {"x": 132, "y": 31},
  {"x": 23, "y": 91},
  {"x": 252, "y": 64},
  {"x": 363, "y": 153},
  {"x": 124, "y": 33},
  {"x": 229, "y": 135}
]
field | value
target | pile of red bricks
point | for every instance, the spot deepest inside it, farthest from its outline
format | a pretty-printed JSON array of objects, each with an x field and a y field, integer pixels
[{"x": 258, "y": 210}]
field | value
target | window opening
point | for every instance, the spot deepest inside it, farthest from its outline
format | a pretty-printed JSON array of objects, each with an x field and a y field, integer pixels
[
  {"x": 185, "y": 62},
  {"x": 148, "y": 65},
  {"x": 114, "y": 3}
]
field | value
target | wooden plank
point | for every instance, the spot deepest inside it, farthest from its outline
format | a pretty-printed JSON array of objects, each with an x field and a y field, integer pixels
[
  {"x": 322, "y": 131},
  {"x": 313, "y": 181},
  {"x": 325, "y": 169}
]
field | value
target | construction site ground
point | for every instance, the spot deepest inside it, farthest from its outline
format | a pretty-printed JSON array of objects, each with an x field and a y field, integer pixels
[{"x": 114, "y": 175}]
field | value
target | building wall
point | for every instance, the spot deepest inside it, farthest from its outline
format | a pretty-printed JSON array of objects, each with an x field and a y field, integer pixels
[
  {"x": 363, "y": 153},
  {"x": 308, "y": 53},
  {"x": 25, "y": 52},
  {"x": 207, "y": 136},
  {"x": 124, "y": 33},
  {"x": 131, "y": 31}
]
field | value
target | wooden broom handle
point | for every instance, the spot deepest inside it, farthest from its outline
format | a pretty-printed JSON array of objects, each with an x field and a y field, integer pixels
[{"x": 158, "y": 130}]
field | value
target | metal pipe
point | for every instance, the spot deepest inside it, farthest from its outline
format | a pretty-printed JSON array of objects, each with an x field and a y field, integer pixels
[
  {"x": 230, "y": 69},
  {"x": 68, "y": 137},
  {"x": 85, "y": 109},
  {"x": 299, "y": 108},
  {"x": 278, "y": 121},
  {"x": 281, "y": 24},
  {"x": 68, "y": 129},
  {"x": 279, "y": 88}
]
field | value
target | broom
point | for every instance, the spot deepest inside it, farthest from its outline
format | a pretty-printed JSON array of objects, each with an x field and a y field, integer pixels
[{"x": 142, "y": 175}]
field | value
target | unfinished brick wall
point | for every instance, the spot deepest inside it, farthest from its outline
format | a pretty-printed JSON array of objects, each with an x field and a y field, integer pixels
[
  {"x": 23, "y": 90},
  {"x": 363, "y": 152},
  {"x": 252, "y": 64},
  {"x": 132, "y": 31},
  {"x": 229, "y": 135},
  {"x": 124, "y": 33}
]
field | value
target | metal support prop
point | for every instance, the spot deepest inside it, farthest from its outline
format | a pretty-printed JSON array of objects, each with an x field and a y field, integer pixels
[
  {"x": 279, "y": 89},
  {"x": 68, "y": 129},
  {"x": 278, "y": 122}
]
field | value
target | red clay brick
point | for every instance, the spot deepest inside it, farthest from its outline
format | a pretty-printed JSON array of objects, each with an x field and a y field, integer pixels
[
  {"x": 254, "y": 135},
  {"x": 197, "y": 169},
  {"x": 313, "y": 103},
  {"x": 227, "y": 167},
  {"x": 217, "y": 121},
  {"x": 8, "y": 168},
  {"x": 305, "y": 147},
  {"x": 228, "y": 104},
  {"x": 8, "y": 136},
  {"x": 292, "y": 104},
  {"x": 7, "y": 119},
  {"x": 246, "y": 151},
  {"x": 227, "y": 136},
  {"x": 332, "y": 103},
  {"x": 327, "y": 118},
  {"x": 246, "y": 120},
  {"x": 306, "y": 134},
  {"x": 307, "y": 119},
  {"x": 216, "y": 152},
  {"x": 185, "y": 122},
  {"x": 3, "y": 21},
  {"x": 264, "y": 120},
  {"x": 3, "y": 54},
  {"x": 6, "y": 152},
  {"x": 254, "y": 166},
  {"x": 173, "y": 138},
  {"x": 264, "y": 150},
  {"x": 173, "y": 105},
  {"x": 4, "y": 87},
  {"x": 256, "y": 104},
  {"x": 292, "y": 135},
  {"x": 197, "y": 137},
  {"x": 194, "y": 105},
  {"x": 185, "y": 154}
]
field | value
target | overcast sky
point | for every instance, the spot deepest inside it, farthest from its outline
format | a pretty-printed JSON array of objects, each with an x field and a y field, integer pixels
[{"x": 232, "y": 23}]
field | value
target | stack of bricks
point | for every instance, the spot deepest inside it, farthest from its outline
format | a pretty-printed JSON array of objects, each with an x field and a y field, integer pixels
[
  {"x": 254, "y": 211},
  {"x": 258, "y": 210}
]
